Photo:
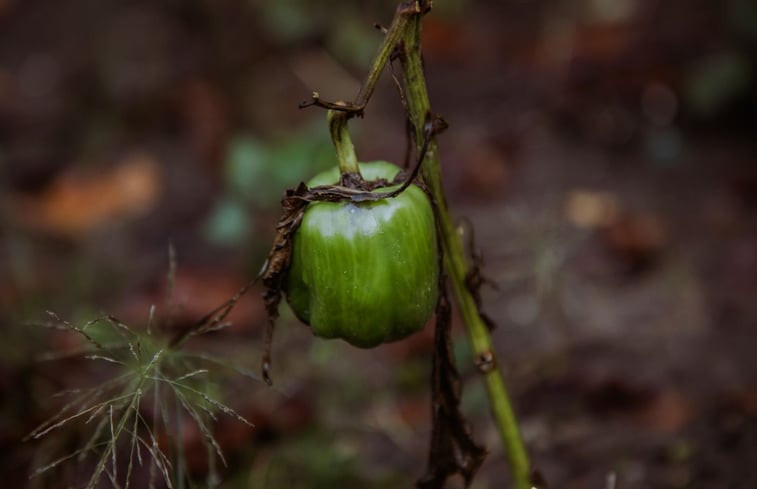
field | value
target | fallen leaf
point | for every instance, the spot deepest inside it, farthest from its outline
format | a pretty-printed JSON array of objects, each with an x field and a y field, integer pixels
[
  {"x": 76, "y": 203},
  {"x": 587, "y": 209}
]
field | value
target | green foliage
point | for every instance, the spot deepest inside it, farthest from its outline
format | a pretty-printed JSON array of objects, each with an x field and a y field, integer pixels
[
  {"x": 229, "y": 223},
  {"x": 255, "y": 172}
]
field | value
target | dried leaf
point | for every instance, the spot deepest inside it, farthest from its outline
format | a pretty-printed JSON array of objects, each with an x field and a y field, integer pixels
[
  {"x": 453, "y": 450},
  {"x": 75, "y": 203}
]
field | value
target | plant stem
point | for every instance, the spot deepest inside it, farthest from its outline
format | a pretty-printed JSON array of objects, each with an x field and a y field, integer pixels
[
  {"x": 340, "y": 136},
  {"x": 455, "y": 261},
  {"x": 403, "y": 38}
]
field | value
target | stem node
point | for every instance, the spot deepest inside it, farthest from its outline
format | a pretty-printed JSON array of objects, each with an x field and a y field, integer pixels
[{"x": 485, "y": 362}]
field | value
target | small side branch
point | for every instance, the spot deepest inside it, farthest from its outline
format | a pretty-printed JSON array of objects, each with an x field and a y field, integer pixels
[{"x": 405, "y": 11}]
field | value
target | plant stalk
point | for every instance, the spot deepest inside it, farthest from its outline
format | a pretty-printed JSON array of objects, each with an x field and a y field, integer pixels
[
  {"x": 455, "y": 262},
  {"x": 403, "y": 39}
]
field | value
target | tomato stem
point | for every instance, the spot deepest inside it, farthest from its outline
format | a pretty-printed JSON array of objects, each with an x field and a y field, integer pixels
[{"x": 345, "y": 150}]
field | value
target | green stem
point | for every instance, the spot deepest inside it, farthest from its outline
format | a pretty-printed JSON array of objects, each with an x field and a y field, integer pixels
[
  {"x": 391, "y": 39},
  {"x": 393, "y": 36},
  {"x": 340, "y": 136},
  {"x": 456, "y": 264}
]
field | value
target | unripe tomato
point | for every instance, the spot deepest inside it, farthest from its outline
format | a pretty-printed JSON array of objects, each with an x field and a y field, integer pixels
[{"x": 365, "y": 272}]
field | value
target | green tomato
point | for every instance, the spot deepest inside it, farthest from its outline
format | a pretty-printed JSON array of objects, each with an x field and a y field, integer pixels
[{"x": 365, "y": 272}]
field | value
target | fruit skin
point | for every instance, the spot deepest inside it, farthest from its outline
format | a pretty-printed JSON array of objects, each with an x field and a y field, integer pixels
[{"x": 365, "y": 272}]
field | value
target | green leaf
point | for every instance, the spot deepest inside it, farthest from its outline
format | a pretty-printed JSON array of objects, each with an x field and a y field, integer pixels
[{"x": 229, "y": 224}]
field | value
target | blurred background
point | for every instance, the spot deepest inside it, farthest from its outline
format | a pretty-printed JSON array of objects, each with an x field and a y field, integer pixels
[{"x": 603, "y": 150}]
